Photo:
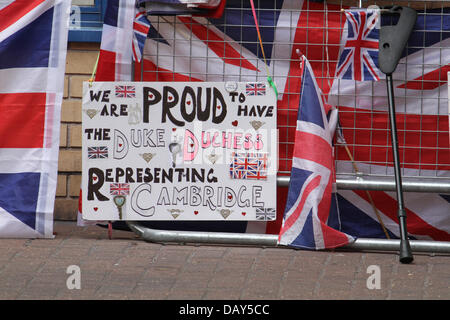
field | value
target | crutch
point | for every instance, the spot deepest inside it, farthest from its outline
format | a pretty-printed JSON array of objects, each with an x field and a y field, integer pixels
[{"x": 392, "y": 43}]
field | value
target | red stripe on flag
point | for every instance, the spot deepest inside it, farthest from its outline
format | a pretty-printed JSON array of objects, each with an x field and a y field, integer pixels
[
  {"x": 372, "y": 71},
  {"x": 154, "y": 73},
  {"x": 421, "y": 138},
  {"x": 416, "y": 225},
  {"x": 140, "y": 28},
  {"x": 15, "y": 11},
  {"x": 22, "y": 120},
  {"x": 313, "y": 148},
  {"x": 429, "y": 81},
  {"x": 106, "y": 70},
  {"x": 217, "y": 44}
]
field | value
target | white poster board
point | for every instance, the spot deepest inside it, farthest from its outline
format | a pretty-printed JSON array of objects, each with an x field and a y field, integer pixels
[{"x": 174, "y": 150}]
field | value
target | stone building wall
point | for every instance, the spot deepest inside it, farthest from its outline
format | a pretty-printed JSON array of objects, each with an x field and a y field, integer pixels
[{"x": 80, "y": 63}]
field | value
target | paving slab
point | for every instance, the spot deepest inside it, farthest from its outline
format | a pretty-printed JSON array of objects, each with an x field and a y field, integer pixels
[{"x": 127, "y": 267}]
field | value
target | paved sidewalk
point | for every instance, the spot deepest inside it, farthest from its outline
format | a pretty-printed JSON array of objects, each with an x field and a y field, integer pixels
[{"x": 127, "y": 267}]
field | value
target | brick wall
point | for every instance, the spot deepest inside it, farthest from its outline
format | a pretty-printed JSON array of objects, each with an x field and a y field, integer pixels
[{"x": 80, "y": 63}]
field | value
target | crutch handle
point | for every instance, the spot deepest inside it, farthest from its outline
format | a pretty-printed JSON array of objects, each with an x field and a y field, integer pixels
[{"x": 393, "y": 38}]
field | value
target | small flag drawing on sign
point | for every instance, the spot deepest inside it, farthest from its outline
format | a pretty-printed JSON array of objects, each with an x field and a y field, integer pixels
[
  {"x": 255, "y": 89},
  {"x": 249, "y": 166},
  {"x": 125, "y": 92},
  {"x": 119, "y": 189},
  {"x": 97, "y": 152},
  {"x": 265, "y": 214}
]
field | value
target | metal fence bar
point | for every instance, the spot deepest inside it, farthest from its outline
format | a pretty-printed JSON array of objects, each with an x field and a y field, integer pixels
[
  {"x": 270, "y": 240},
  {"x": 383, "y": 183}
]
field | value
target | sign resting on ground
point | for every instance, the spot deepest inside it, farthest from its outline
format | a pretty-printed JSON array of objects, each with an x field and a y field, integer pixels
[{"x": 179, "y": 150}]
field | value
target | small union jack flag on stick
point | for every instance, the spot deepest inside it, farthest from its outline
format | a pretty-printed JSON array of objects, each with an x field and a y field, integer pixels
[
  {"x": 359, "y": 58},
  {"x": 255, "y": 89},
  {"x": 125, "y": 92},
  {"x": 141, "y": 26},
  {"x": 251, "y": 166},
  {"x": 97, "y": 152},
  {"x": 119, "y": 189}
]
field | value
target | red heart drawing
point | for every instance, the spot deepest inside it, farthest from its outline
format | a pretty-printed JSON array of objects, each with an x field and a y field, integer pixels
[
  {"x": 230, "y": 196},
  {"x": 235, "y": 123},
  {"x": 244, "y": 213},
  {"x": 120, "y": 144},
  {"x": 192, "y": 145},
  {"x": 170, "y": 98},
  {"x": 218, "y": 107},
  {"x": 150, "y": 96},
  {"x": 94, "y": 178},
  {"x": 195, "y": 212},
  {"x": 188, "y": 103},
  {"x": 95, "y": 208}
]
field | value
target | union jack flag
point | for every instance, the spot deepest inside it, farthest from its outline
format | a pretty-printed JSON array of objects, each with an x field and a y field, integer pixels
[
  {"x": 251, "y": 166},
  {"x": 141, "y": 26},
  {"x": 119, "y": 189},
  {"x": 359, "y": 57},
  {"x": 97, "y": 152},
  {"x": 255, "y": 89},
  {"x": 33, "y": 44},
  {"x": 125, "y": 91},
  {"x": 311, "y": 216}
]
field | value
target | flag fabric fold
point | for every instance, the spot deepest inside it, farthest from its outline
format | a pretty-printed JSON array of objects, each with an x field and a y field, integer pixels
[
  {"x": 33, "y": 44},
  {"x": 311, "y": 210},
  {"x": 117, "y": 45},
  {"x": 141, "y": 26}
]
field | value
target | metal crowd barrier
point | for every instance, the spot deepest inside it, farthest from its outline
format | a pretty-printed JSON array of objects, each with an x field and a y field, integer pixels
[{"x": 349, "y": 176}]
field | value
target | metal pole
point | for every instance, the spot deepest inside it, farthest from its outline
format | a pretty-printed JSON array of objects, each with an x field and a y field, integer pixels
[
  {"x": 384, "y": 183},
  {"x": 269, "y": 240},
  {"x": 154, "y": 235}
]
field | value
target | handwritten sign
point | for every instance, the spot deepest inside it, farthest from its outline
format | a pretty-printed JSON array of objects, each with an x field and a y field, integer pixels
[{"x": 173, "y": 150}]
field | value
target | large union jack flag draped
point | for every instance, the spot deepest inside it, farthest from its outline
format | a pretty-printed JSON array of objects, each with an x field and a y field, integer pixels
[
  {"x": 359, "y": 56},
  {"x": 421, "y": 99},
  {"x": 33, "y": 44},
  {"x": 311, "y": 215},
  {"x": 190, "y": 48}
]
